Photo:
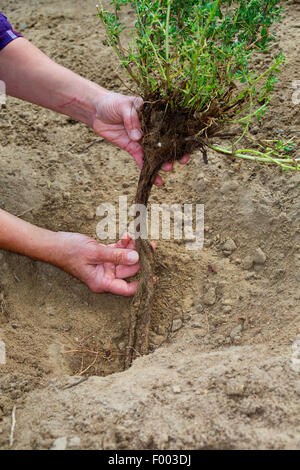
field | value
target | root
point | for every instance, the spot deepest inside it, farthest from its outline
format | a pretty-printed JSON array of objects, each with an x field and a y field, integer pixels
[
  {"x": 91, "y": 355},
  {"x": 141, "y": 309},
  {"x": 168, "y": 135},
  {"x": 13, "y": 425},
  {"x": 2, "y": 303}
]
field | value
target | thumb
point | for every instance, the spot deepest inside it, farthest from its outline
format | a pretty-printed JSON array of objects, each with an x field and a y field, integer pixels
[{"x": 117, "y": 256}]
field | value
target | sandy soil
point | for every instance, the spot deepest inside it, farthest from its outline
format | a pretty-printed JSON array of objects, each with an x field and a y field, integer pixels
[{"x": 228, "y": 376}]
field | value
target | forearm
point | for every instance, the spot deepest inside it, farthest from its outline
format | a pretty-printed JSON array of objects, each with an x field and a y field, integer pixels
[
  {"x": 32, "y": 76},
  {"x": 24, "y": 238}
]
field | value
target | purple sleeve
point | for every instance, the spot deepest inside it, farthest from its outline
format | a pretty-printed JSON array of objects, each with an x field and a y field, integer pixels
[{"x": 7, "y": 34}]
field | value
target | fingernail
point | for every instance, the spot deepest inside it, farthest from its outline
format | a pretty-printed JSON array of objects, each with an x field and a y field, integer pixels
[
  {"x": 165, "y": 166},
  {"x": 133, "y": 257},
  {"x": 184, "y": 159},
  {"x": 136, "y": 135}
]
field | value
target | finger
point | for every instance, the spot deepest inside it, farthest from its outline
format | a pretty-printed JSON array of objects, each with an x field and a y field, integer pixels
[
  {"x": 131, "y": 245},
  {"x": 131, "y": 118},
  {"x": 158, "y": 181},
  {"x": 122, "y": 272},
  {"x": 109, "y": 271},
  {"x": 125, "y": 240},
  {"x": 123, "y": 243},
  {"x": 167, "y": 166},
  {"x": 136, "y": 151},
  {"x": 116, "y": 256},
  {"x": 153, "y": 244},
  {"x": 121, "y": 287},
  {"x": 184, "y": 159}
]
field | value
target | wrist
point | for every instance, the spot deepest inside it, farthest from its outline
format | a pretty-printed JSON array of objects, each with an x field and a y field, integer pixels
[
  {"x": 83, "y": 106},
  {"x": 41, "y": 244}
]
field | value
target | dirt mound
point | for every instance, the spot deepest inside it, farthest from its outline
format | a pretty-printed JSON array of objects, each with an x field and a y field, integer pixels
[{"x": 219, "y": 400}]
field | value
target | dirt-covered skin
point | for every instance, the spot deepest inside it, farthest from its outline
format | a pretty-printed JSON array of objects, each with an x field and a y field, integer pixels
[{"x": 228, "y": 378}]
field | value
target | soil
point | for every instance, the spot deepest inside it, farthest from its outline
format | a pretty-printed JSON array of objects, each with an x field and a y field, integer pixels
[{"x": 228, "y": 376}]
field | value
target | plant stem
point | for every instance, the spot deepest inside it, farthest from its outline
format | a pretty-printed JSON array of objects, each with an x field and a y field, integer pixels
[
  {"x": 267, "y": 72},
  {"x": 169, "y": 2},
  {"x": 159, "y": 62},
  {"x": 210, "y": 18},
  {"x": 259, "y": 157},
  {"x": 246, "y": 118}
]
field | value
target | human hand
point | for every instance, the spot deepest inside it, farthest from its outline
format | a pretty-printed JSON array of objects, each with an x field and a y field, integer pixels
[
  {"x": 103, "y": 268},
  {"x": 117, "y": 121}
]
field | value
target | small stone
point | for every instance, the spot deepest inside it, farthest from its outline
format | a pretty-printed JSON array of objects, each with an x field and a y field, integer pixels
[
  {"x": 66, "y": 196},
  {"x": 236, "y": 338},
  {"x": 247, "y": 262},
  {"x": 90, "y": 214},
  {"x": 297, "y": 295},
  {"x": 1, "y": 430},
  {"x": 259, "y": 256},
  {"x": 155, "y": 339},
  {"x": 186, "y": 316},
  {"x": 4, "y": 268},
  {"x": 229, "y": 246},
  {"x": 14, "y": 326},
  {"x": 201, "y": 186},
  {"x": 238, "y": 329},
  {"x": 229, "y": 186},
  {"x": 199, "y": 308},
  {"x": 176, "y": 389},
  {"x": 2, "y": 353},
  {"x": 59, "y": 444},
  {"x": 210, "y": 297},
  {"x": 197, "y": 321},
  {"x": 122, "y": 345},
  {"x": 249, "y": 275},
  {"x": 235, "y": 389},
  {"x": 227, "y": 302},
  {"x": 74, "y": 441},
  {"x": 161, "y": 330},
  {"x": 177, "y": 324},
  {"x": 227, "y": 309}
]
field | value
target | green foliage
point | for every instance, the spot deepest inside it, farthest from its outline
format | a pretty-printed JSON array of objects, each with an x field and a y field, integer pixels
[
  {"x": 197, "y": 54},
  {"x": 193, "y": 50}
]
